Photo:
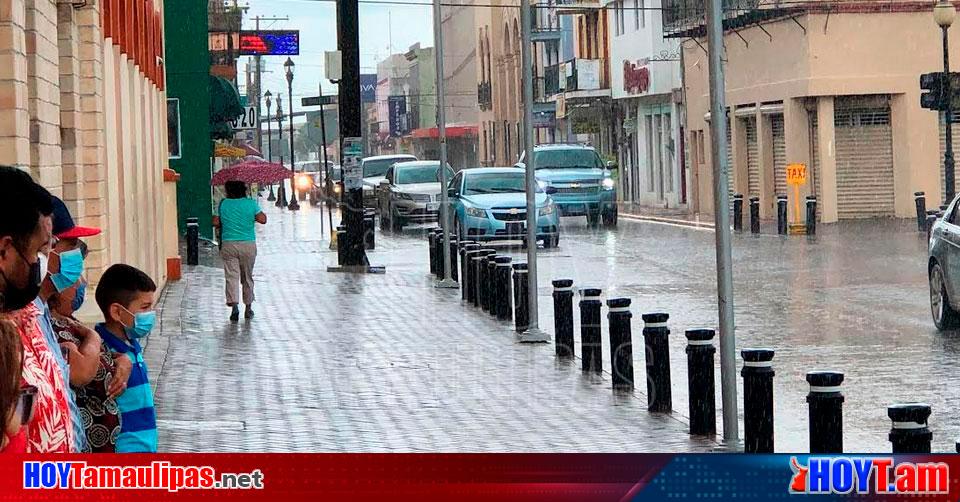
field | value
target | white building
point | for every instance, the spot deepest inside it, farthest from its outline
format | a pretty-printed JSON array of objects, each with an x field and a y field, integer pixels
[{"x": 645, "y": 84}]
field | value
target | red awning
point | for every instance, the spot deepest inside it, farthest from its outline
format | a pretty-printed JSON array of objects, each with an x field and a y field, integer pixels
[{"x": 453, "y": 131}]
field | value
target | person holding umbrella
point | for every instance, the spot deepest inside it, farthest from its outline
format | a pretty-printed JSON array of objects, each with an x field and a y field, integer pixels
[{"x": 238, "y": 217}]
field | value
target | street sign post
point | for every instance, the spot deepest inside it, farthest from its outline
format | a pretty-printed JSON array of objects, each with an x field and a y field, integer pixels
[
  {"x": 796, "y": 176},
  {"x": 247, "y": 121},
  {"x": 319, "y": 101}
]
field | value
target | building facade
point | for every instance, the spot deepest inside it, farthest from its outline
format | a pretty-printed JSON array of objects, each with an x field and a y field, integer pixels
[
  {"x": 83, "y": 108},
  {"x": 498, "y": 83},
  {"x": 645, "y": 86},
  {"x": 852, "y": 116}
]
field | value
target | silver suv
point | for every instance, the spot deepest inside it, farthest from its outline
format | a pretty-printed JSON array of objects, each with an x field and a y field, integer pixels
[{"x": 410, "y": 193}]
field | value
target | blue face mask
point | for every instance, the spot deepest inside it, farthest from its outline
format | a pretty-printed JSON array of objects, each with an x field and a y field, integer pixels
[
  {"x": 142, "y": 324},
  {"x": 71, "y": 268},
  {"x": 79, "y": 297}
]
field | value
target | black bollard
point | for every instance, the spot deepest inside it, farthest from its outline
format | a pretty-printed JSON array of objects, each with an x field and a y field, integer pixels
[
  {"x": 464, "y": 267},
  {"x": 811, "y": 215},
  {"x": 826, "y": 411},
  {"x": 590, "y": 336},
  {"x": 754, "y": 215},
  {"x": 491, "y": 297},
  {"x": 563, "y": 317},
  {"x": 921, "y": 200},
  {"x": 621, "y": 343},
  {"x": 782, "y": 214},
  {"x": 341, "y": 244},
  {"x": 521, "y": 313},
  {"x": 502, "y": 298},
  {"x": 432, "y": 242},
  {"x": 469, "y": 278},
  {"x": 479, "y": 270},
  {"x": 657, "y": 350},
  {"x": 757, "y": 376},
  {"x": 701, "y": 386},
  {"x": 738, "y": 212},
  {"x": 910, "y": 433},
  {"x": 369, "y": 230},
  {"x": 438, "y": 253},
  {"x": 193, "y": 241},
  {"x": 454, "y": 271},
  {"x": 482, "y": 289}
]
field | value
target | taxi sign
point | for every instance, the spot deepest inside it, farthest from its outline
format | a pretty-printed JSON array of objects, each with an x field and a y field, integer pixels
[{"x": 796, "y": 174}]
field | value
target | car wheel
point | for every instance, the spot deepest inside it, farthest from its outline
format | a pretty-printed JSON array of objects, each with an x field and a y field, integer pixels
[
  {"x": 610, "y": 218},
  {"x": 944, "y": 316},
  {"x": 551, "y": 241},
  {"x": 461, "y": 232},
  {"x": 593, "y": 219}
]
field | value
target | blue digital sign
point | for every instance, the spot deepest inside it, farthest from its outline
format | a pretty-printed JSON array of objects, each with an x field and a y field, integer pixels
[{"x": 270, "y": 43}]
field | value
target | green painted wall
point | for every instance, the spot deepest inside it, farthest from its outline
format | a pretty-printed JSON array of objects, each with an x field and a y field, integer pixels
[{"x": 187, "y": 61}]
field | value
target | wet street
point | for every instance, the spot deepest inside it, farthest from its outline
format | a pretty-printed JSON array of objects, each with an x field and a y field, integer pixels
[{"x": 335, "y": 362}]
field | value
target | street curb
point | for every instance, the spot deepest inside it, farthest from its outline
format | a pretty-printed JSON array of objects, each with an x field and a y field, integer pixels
[{"x": 670, "y": 221}]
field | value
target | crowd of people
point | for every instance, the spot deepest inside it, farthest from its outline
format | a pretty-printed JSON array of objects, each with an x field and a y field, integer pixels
[{"x": 65, "y": 387}]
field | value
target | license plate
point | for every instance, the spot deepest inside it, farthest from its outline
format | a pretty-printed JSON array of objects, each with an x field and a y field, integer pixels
[
  {"x": 515, "y": 228},
  {"x": 433, "y": 206}
]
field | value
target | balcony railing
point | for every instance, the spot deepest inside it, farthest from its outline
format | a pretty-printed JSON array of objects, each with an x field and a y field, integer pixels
[
  {"x": 574, "y": 7},
  {"x": 551, "y": 80},
  {"x": 580, "y": 75},
  {"x": 681, "y": 15}
]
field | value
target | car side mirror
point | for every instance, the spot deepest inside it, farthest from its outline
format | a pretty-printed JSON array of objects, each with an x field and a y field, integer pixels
[
  {"x": 550, "y": 190},
  {"x": 451, "y": 192},
  {"x": 385, "y": 183},
  {"x": 611, "y": 165}
]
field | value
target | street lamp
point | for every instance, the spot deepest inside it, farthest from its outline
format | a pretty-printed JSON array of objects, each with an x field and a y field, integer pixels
[
  {"x": 267, "y": 96},
  {"x": 944, "y": 13},
  {"x": 282, "y": 197},
  {"x": 294, "y": 205}
]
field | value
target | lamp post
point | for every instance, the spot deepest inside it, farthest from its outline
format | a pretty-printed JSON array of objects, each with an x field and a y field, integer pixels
[
  {"x": 944, "y": 13},
  {"x": 268, "y": 96},
  {"x": 282, "y": 196},
  {"x": 294, "y": 205}
]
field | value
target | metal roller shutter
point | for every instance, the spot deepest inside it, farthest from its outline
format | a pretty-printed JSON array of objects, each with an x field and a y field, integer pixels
[
  {"x": 779, "y": 155},
  {"x": 943, "y": 148},
  {"x": 753, "y": 158},
  {"x": 815, "y": 163},
  {"x": 730, "y": 166},
  {"x": 864, "y": 161}
]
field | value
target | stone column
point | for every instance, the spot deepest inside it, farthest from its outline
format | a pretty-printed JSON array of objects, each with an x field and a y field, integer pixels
[
  {"x": 765, "y": 171},
  {"x": 828, "y": 159},
  {"x": 92, "y": 190},
  {"x": 68, "y": 38},
  {"x": 14, "y": 115},
  {"x": 43, "y": 99},
  {"x": 796, "y": 131}
]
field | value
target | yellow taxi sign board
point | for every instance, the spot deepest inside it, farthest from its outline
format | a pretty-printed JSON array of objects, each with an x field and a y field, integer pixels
[{"x": 796, "y": 174}]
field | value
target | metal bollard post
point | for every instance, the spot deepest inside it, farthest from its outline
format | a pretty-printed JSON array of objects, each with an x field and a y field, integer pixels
[
  {"x": 657, "y": 350},
  {"x": 910, "y": 433},
  {"x": 757, "y": 376},
  {"x": 465, "y": 249},
  {"x": 479, "y": 270},
  {"x": 521, "y": 314},
  {"x": 469, "y": 279},
  {"x": 432, "y": 242},
  {"x": 491, "y": 306},
  {"x": 193, "y": 241},
  {"x": 369, "y": 229},
  {"x": 341, "y": 244},
  {"x": 738, "y": 212},
  {"x": 811, "y": 215},
  {"x": 782, "y": 214},
  {"x": 701, "y": 386},
  {"x": 826, "y": 411},
  {"x": 563, "y": 317},
  {"x": 502, "y": 298},
  {"x": 754, "y": 215},
  {"x": 454, "y": 269},
  {"x": 483, "y": 278},
  {"x": 920, "y": 199},
  {"x": 621, "y": 343},
  {"x": 590, "y": 336}
]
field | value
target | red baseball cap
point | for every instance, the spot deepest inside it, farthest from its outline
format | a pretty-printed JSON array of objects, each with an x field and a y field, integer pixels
[{"x": 63, "y": 225}]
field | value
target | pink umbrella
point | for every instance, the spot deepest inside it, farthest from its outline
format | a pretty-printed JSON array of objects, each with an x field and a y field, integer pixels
[{"x": 252, "y": 171}]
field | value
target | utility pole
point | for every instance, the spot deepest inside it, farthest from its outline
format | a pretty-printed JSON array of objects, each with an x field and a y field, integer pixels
[
  {"x": 447, "y": 281},
  {"x": 256, "y": 79},
  {"x": 721, "y": 197},
  {"x": 348, "y": 43}
]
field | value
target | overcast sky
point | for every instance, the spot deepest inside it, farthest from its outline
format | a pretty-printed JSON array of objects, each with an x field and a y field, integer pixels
[{"x": 381, "y": 27}]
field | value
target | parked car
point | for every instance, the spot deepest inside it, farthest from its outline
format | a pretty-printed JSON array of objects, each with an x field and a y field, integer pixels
[
  {"x": 410, "y": 193},
  {"x": 490, "y": 204},
  {"x": 310, "y": 178},
  {"x": 943, "y": 268},
  {"x": 584, "y": 184},
  {"x": 374, "y": 170}
]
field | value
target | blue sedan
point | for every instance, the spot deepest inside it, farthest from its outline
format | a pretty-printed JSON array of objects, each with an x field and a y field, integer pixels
[{"x": 490, "y": 204}]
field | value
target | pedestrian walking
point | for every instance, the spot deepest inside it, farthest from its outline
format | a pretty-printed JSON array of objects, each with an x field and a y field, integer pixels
[{"x": 238, "y": 217}]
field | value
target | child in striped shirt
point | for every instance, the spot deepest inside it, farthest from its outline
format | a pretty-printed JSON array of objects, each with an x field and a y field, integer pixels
[{"x": 125, "y": 295}]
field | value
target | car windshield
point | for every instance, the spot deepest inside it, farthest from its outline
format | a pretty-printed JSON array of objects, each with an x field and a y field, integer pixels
[
  {"x": 567, "y": 159},
  {"x": 378, "y": 167},
  {"x": 485, "y": 183},
  {"x": 421, "y": 174},
  {"x": 311, "y": 167}
]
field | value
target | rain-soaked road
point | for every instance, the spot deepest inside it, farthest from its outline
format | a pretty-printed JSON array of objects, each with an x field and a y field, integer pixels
[{"x": 853, "y": 299}]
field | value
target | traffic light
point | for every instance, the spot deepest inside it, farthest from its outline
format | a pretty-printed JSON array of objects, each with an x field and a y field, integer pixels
[{"x": 936, "y": 99}]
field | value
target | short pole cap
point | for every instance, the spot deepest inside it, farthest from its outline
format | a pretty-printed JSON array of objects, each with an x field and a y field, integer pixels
[
  {"x": 811, "y": 198},
  {"x": 520, "y": 267},
  {"x": 824, "y": 378},
  {"x": 909, "y": 412},
  {"x": 618, "y": 303},
  {"x": 563, "y": 283},
  {"x": 590, "y": 294},
  {"x": 738, "y": 196},
  {"x": 754, "y": 199},
  {"x": 503, "y": 260},
  {"x": 781, "y": 197},
  {"x": 656, "y": 317},
  {"x": 700, "y": 335},
  {"x": 757, "y": 355},
  {"x": 918, "y": 194}
]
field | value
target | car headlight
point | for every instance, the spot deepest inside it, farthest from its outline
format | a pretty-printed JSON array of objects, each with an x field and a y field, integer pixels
[
  {"x": 608, "y": 184},
  {"x": 303, "y": 181},
  {"x": 542, "y": 184},
  {"x": 476, "y": 212},
  {"x": 548, "y": 209},
  {"x": 336, "y": 188}
]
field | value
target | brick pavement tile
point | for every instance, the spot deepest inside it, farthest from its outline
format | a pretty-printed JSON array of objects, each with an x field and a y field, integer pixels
[{"x": 372, "y": 363}]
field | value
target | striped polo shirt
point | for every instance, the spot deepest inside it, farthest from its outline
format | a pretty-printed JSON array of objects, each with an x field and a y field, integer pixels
[{"x": 138, "y": 428}]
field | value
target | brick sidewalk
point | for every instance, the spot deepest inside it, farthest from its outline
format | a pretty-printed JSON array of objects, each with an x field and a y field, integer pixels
[{"x": 338, "y": 362}]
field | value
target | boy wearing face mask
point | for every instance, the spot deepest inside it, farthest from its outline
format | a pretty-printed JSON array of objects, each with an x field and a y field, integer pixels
[{"x": 125, "y": 295}]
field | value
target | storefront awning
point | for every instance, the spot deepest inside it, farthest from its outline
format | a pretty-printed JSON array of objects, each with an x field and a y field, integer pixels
[{"x": 453, "y": 131}]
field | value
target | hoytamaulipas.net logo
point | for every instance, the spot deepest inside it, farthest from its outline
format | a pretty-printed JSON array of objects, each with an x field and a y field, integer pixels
[
  {"x": 873, "y": 475},
  {"x": 159, "y": 475}
]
